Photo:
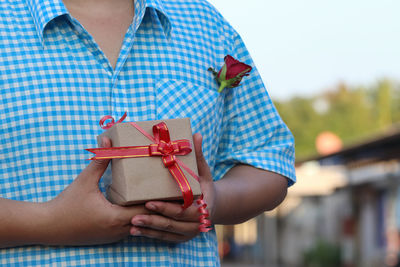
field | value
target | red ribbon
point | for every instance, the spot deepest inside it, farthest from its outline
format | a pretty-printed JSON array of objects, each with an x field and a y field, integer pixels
[
  {"x": 168, "y": 150},
  {"x": 205, "y": 223},
  {"x": 110, "y": 124}
]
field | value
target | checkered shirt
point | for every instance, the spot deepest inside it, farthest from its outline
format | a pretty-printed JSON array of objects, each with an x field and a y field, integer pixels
[{"x": 56, "y": 84}]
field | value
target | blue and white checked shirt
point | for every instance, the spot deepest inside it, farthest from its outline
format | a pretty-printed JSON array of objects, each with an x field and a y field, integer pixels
[{"x": 56, "y": 84}]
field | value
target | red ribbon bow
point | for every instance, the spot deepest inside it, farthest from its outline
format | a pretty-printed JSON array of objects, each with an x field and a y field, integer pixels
[{"x": 168, "y": 150}]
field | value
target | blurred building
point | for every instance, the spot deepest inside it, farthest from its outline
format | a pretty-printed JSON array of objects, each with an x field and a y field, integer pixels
[{"x": 344, "y": 211}]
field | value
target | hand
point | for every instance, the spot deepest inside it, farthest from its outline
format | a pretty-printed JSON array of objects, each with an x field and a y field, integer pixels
[
  {"x": 171, "y": 223},
  {"x": 80, "y": 215}
]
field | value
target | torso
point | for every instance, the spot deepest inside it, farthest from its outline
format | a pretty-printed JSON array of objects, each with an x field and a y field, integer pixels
[{"x": 106, "y": 21}]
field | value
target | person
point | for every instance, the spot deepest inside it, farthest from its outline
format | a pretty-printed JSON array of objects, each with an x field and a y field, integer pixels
[{"x": 64, "y": 65}]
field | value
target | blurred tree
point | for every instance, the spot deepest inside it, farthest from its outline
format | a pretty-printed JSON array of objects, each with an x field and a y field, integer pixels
[
  {"x": 395, "y": 103},
  {"x": 351, "y": 113},
  {"x": 304, "y": 122},
  {"x": 383, "y": 104}
]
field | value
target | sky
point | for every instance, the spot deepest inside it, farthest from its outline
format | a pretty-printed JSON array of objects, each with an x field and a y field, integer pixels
[{"x": 302, "y": 48}]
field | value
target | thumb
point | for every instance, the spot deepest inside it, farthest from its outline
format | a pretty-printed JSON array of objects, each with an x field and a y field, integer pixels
[
  {"x": 96, "y": 168},
  {"x": 202, "y": 165}
]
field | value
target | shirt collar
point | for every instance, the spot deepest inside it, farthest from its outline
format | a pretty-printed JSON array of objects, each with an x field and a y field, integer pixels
[
  {"x": 140, "y": 9},
  {"x": 44, "y": 11}
]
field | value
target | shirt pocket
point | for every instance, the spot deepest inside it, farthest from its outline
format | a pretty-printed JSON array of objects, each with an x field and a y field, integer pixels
[{"x": 204, "y": 107}]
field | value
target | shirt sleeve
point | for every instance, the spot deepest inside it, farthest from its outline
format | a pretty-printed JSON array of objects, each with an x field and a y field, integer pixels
[{"x": 253, "y": 132}]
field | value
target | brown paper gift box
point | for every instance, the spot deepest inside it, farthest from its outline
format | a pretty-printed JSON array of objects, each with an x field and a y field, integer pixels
[{"x": 137, "y": 180}]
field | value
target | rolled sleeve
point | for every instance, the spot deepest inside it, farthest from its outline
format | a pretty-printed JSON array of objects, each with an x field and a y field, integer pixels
[{"x": 253, "y": 132}]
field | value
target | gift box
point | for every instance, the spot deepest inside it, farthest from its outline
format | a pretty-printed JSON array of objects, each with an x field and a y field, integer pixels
[{"x": 139, "y": 179}]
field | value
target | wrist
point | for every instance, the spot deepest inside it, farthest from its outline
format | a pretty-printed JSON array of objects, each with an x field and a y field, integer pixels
[
  {"x": 44, "y": 224},
  {"x": 41, "y": 224},
  {"x": 212, "y": 203}
]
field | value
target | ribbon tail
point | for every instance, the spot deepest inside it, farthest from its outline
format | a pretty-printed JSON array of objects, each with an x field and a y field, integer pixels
[
  {"x": 186, "y": 168},
  {"x": 183, "y": 183},
  {"x": 205, "y": 223},
  {"x": 119, "y": 152}
]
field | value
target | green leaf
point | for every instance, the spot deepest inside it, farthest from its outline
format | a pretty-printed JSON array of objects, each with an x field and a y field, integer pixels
[{"x": 222, "y": 75}]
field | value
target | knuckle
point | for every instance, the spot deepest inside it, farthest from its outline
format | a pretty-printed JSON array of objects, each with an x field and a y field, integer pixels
[
  {"x": 201, "y": 156},
  {"x": 179, "y": 213},
  {"x": 168, "y": 226},
  {"x": 99, "y": 163}
]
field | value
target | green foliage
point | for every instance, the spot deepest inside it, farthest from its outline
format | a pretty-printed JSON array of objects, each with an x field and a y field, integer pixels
[
  {"x": 351, "y": 113},
  {"x": 395, "y": 106},
  {"x": 305, "y": 129},
  {"x": 383, "y": 99},
  {"x": 322, "y": 255}
]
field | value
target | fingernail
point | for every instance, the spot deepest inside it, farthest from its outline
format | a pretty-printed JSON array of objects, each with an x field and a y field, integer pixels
[
  {"x": 138, "y": 223},
  {"x": 135, "y": 231},
  {"x": 152, "y": 206}
]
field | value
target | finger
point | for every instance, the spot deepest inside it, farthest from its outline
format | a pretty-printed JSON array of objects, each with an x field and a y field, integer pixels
[
  {"x": 127, "y": 213},
  {"x": 160, "y": 235},
  {"x": 204, "y": 169},
  {"x": 174, "y": 210},
  {"x": 165, "y": 224},
  {"x": 96, "y": 168}
]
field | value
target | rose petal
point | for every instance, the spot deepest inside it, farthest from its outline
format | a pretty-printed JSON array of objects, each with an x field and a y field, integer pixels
[
  {"x": 229, "y": 61},
  {"x": 235, "y": 69}
]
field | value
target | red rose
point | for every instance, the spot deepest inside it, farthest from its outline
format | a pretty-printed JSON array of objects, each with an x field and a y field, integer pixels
[{"x": 231, "y": 74}]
